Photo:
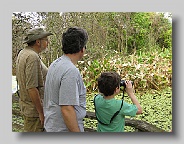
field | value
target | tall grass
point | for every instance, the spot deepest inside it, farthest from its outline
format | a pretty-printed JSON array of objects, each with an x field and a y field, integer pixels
[{"x": 148, "y": 69}]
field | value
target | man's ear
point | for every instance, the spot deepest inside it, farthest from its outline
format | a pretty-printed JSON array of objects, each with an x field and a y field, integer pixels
[
  {"x": 82, "y": 50},
  {"x": 38, "y": 41}
]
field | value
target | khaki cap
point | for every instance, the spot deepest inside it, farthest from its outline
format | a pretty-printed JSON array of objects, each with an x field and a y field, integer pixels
[{"x": 34, "y": 34}]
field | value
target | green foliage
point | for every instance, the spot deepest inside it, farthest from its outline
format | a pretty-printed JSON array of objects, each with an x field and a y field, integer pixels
[
  {"x": 140, "y": 27},
  {"x": 157, "y": 108}
]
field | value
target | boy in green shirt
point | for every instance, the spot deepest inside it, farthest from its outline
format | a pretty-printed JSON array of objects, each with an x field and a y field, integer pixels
[{"x": 106, "y": 105}]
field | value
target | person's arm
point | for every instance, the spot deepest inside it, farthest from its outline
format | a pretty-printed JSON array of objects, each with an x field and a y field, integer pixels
[
  {"x": 134, "y": 100},
  {"x": 70, "y": 118},
  {"x": 35, "y": 97}
]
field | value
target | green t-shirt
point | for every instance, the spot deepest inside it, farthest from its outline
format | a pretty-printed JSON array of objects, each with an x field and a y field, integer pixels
[{"x": 105, "y": 109}]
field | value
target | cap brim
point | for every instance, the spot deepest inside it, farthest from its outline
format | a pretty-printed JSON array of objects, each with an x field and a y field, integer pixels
[{"x": 44, "y": 34}]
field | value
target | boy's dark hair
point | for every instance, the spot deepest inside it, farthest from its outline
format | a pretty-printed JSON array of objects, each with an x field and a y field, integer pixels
[
  {"x": 73, "y": 40},
  {"x": 108, "y": 82}
]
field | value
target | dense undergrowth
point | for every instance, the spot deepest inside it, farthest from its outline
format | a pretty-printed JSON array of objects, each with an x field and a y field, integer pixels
[{"x": 148, "y": 70}]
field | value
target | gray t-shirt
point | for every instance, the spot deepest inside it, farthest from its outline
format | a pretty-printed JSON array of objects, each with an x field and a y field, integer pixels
[{"x": 64, "y": 86}]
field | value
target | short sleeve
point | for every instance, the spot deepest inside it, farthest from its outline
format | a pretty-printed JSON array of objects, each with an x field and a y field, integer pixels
[
  {"x": 129, "y": 109},
  {"x": 69, "y": 92}
]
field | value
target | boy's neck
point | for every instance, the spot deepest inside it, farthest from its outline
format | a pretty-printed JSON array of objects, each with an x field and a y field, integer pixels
[{"x": 109, "y": 97}]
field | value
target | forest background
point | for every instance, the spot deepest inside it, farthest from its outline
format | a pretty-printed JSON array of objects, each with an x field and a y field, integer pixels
[{"x": 137, "y": 45}]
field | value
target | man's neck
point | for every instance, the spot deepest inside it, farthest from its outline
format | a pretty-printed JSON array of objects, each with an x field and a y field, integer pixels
[
  {"x": 73, "y": 58},
  {"x": 36, "y": 49}
]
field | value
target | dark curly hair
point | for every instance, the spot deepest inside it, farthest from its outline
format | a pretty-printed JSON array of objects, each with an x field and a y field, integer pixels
[
  {"x": 73, "y": 40},
  {"x": 108, "y": 82}
]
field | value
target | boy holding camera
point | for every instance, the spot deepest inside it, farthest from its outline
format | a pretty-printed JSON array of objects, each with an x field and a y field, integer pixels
[{"x": 111, "y": 112}]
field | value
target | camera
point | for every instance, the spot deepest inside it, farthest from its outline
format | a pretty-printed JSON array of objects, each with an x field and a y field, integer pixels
[{"x": 122, "y": 83}]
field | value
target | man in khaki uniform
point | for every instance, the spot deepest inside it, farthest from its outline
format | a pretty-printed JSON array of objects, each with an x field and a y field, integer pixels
[{"x": 31, "y": 73}]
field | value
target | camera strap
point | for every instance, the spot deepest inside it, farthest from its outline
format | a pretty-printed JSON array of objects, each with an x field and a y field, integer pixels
[
  {"x": 115, "y": 114},
  {"x": 123, "y": 93}
]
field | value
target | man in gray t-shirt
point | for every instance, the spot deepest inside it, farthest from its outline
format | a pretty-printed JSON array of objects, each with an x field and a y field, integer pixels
[{"x": 65, "y": 93}]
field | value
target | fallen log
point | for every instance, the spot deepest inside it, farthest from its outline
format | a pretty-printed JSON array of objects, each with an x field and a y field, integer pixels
[{"x": 141, "y": 126}]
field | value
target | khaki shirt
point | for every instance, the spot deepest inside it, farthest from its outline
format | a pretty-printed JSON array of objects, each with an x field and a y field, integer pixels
[{"x": 30, "y": 72}]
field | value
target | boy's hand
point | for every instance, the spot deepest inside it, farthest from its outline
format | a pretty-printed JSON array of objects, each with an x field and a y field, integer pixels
[{"x": 129, "y": 88}]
